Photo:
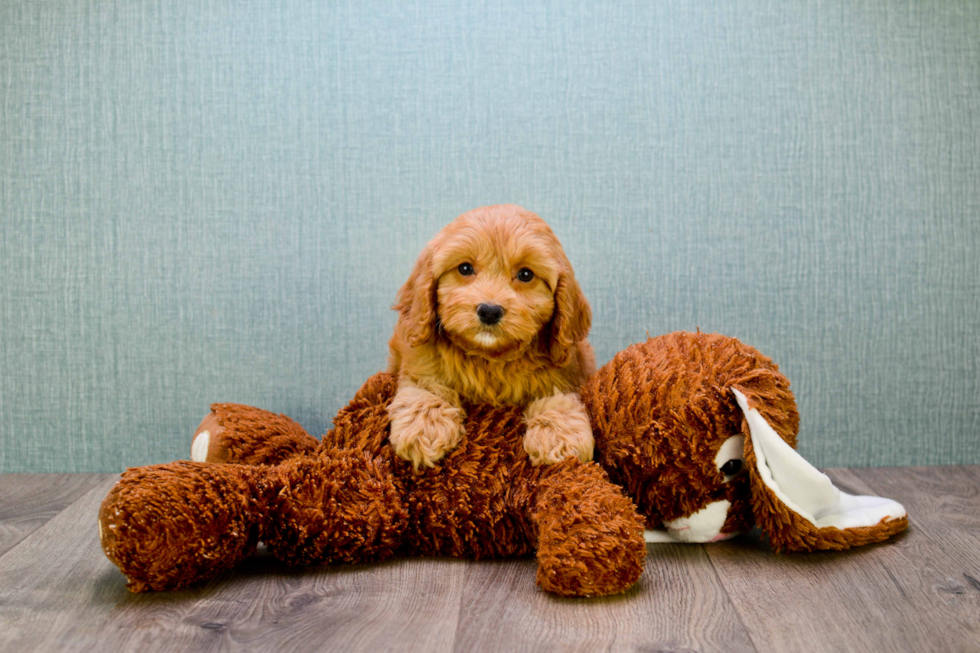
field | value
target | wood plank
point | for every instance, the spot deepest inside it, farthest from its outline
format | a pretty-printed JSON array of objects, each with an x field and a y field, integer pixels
[
  {"x": 942, "y": 561},
  {"x": 970, "y": 470},
  {"x": 883, "y": 597},
  {"x": 405, "y": 605},
  {"x": 28, "y": 501},
  {"x": 56, "y": 584},
  {"x": 678, "y": 604}
]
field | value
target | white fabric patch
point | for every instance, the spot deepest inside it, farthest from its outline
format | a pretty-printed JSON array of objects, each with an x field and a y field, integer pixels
[
  {"x": 703, "y": 526},
  {"x": 199, "y": 448},
  {"x": 803, "y": 488},
  {"x": 658, "y": 536}
]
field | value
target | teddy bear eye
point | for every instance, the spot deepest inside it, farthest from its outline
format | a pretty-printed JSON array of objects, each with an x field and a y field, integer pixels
[
  {"x": 465, "y": 269},
  {"x": 525, "y": 275},
  {"x": 732, "y": 467}
]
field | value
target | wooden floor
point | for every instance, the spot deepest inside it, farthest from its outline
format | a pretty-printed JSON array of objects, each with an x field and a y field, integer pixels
[{"x": 920, "y": 592}]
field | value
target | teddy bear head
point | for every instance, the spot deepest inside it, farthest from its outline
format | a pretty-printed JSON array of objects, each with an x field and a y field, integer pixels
[{"x": 701, "y": 431}]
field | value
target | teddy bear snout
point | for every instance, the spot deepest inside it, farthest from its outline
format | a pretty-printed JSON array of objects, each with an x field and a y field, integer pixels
[{"x": 703, "y": 526}]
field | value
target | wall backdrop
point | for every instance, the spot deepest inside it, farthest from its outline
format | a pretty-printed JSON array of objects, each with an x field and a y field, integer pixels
[{"x": 213, "y": 201}]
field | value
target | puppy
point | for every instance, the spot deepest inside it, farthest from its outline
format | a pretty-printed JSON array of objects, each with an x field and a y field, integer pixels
[{"x": 492, "y": 314}]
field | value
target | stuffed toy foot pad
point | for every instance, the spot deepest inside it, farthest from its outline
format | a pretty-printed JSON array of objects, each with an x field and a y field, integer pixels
[{"x": 240, "y": 434}]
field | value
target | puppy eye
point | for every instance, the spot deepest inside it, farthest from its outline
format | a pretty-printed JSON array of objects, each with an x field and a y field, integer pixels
[
  {"x": 732, "y": 467},
  {"x": 465, "y": 269},
  {"x": 525, "y": 275}
]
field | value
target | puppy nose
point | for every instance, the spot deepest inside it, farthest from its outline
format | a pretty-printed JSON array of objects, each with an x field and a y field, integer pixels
[{"x": 490, "y": 314}]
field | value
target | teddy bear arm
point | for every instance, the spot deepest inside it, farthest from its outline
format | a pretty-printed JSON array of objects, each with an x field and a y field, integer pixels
[
  {"x": 589, "y": 536},
  {"x": 169, "y": 526},
  {"x": 341, "y": 505}
]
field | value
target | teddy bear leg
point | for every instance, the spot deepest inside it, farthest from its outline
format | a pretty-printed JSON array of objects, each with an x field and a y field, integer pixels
[
  {"x": 337, "y": 506},
  {"x": 235, "y": 433},
  {"x": 168, "y": 526},
  {"x": 590, "y": 537}
]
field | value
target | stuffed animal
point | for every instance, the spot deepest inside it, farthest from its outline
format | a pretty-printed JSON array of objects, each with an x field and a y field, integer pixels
[{"x": 697, "y": 429}]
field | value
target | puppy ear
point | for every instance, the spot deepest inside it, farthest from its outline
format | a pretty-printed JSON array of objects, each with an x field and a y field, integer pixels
[
  {"x": 572, "y": 318},
  {"x": 799, "y": 507},
  {"x": 416, "y": 303}
]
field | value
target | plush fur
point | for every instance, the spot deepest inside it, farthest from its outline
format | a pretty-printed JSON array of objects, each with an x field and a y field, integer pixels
[
  {"x": 661, "y": 410},
  {"x": 444, "y": 354}
]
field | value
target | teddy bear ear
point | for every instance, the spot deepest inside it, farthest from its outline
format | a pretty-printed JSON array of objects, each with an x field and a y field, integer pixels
[{"x": 797, "y": 506}]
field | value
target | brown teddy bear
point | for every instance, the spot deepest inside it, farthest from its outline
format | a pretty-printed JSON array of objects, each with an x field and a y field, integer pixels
[{"x": 697, "y": 429}]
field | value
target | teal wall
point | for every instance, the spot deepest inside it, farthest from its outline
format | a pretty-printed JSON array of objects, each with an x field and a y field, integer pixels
[{"x": 208, "y": 201}]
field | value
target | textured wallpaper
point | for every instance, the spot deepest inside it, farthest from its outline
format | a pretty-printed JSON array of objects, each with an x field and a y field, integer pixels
[{"x": 212, "y": 201}]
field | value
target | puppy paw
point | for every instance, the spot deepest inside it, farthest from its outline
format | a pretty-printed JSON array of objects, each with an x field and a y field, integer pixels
[
  {"x": 558, "y": 427},
  {"x": 424, "y": 426}
]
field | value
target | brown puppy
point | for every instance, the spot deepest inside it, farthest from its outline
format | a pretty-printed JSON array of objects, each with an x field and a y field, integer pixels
[{"x": 492, "y": 314}]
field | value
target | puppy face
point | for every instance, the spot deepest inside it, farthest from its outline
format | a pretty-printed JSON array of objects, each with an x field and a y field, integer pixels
[
  {"x": 496, "y": 292},
  {"x": 492, "y": 282}
]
